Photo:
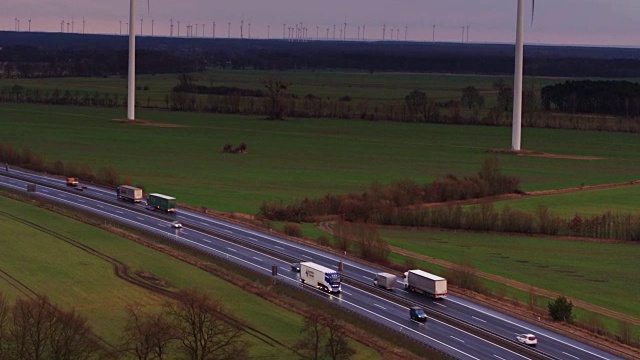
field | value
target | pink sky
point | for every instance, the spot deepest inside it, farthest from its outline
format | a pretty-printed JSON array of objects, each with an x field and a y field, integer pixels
[{"x": 595, "y": 22}]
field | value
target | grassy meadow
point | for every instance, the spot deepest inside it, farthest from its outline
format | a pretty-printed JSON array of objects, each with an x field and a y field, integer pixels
[
  {"x": 599, "y": 273},
  {"x": 325, "y": 84},
  {"x": 585, "y": 203},
  {"x": 299, "y": 158},
  {"x": 74, "y": 278}
]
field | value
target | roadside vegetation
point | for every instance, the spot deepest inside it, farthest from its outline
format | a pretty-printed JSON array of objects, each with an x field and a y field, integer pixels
[{"x": 116, "y": 287}]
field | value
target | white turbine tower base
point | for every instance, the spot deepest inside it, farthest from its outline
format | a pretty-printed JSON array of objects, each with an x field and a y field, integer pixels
[
  {"x": 517, "y": 80},
  {"x": 131, "y": 92}
]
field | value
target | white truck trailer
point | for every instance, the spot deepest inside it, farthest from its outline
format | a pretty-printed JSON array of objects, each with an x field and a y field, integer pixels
[
  {"x": 320, "y": 277},
  {"x": 130, "y": 193},
  {"x": 425, "y": 283},
  {"x": 385, "y": 280}
]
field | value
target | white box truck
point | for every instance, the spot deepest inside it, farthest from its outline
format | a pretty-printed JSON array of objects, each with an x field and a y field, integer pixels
[
  {"x": 425, "y": 283},
  {"x": 385, "y": 280},
  {"x": 130, "y": 193},
  {"x": 320, "y": 277}
]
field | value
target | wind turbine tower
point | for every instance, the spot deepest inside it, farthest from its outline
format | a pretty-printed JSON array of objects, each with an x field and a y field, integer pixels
[
  {"x": 434, "y": 33},
  {"x": 178, "y": 28},
  {"x": 468, "y": 33},
  {"x": 363, "y": 26},
  {"x": 384, "y": 29},
  {"x": 131, "y": 91},
  {"x": 517, "y": 79},
  {"x": 406, "y": 29},
  {"x": 120, "y": 27},
  {"x": 268, "y": 31},
  {"x": 83, "y": 24},
  {"x": 152, "y": 24},
  {"x": 229, "y": 30}
]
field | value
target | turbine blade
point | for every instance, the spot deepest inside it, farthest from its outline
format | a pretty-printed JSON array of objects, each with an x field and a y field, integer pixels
[{"x": 533, "y": 10}]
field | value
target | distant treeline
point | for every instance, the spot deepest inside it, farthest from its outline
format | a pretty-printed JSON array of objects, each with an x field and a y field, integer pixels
[
  {"x": 76, "y": 58},
  {"x": 31, "y": 62},
  {"x": 621, "y": 98}
]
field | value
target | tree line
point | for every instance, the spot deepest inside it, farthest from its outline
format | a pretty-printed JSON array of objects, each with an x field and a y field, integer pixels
[
  {"x": 378, "y": 198},
  {"x": 70, "y": 55},
  {"x": 194, "y": 326},
  {"x": 29, "y": 159},
  {"x": 619, "y": 98}
]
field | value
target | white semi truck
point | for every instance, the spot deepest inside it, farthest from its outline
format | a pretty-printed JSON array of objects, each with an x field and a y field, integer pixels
[
  {"x": 385, "y": 280},
  {"x": 425, "y": 283},
  {"x": 130, "y": 193},
  {"x": 320, "y": 277}
]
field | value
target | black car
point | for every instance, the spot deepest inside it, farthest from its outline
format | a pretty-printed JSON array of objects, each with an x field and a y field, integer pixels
[
  {"x": 295, "y": 267},
  {"x": 417, "y": 314}
]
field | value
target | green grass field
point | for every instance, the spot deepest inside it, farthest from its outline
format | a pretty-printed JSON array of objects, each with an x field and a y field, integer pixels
[
  {"x": 325, "y": 84},
  {"x": 74, "y": 278},
  {"x": 300, "y": 158},
  {"x": 585, "y": 203},
  {"x": 599, "y": 273}
]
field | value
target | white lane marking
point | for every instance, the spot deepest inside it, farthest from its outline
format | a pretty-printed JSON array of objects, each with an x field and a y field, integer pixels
[
  {"x": 257, "y": 258},
  {"x": 230, "y": 249},
  {"x": 201, "y": 223},
  {"x": 100, "y": 206},
  {"x": 284, "y": 269},
  {"x": 184, "y": 233},
  {"x": 80, "y": 200},
  {"x": 444, "y": 324},
  {"x": 139, "y": 218},
  {"x": 575, "y": 357},
  {"x": 380, "y": 306},
  {"x": 306, "y": 256},
  {"x": 404, "y": 327},
  {"x": 62, "y": 195},
  {"x": 161, "y": 224},
  {"x": 365, "y": 276},
  {"x": 205, "y": 240},
  {"x": 278, "y": 247},
  {"x": 484, "y": 321},
  {"x": 261, "y": 235},
  {"x": 44, "y": 190},
  {"x": 520, "y": 325},
  {"x": 119, "y": 212},
  {"x": 437, "y": 303},
  {"x": 453, "y": 337},
  {"x": 499, "y": 357},
  {"x": 344, "y": 292},
  {"x": 227, "y": 231}
]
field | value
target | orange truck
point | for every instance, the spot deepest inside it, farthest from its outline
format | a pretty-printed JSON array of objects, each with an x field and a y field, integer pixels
[{"x": 72, "y": 181}]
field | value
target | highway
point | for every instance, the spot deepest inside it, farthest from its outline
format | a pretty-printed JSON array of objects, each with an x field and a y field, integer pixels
[{"x": 213, "y": 235}]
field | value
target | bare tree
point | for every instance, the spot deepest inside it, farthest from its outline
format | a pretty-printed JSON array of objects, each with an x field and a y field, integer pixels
[
  {"x": 204, "y": 330},
  {"x": 313, "y": 334},
  {"x": 70, "y": 337},
  {"x": 5, "y": 311},
  {"x": 146, "y": 335},
  {"x": 29, "y": 330},
  {"x": 336, "y": 346},
  {"x": 276, "y": 94}
]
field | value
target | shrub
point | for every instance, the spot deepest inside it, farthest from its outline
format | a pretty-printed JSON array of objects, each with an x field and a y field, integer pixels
[
  {"x": 292, "y": 229},
  {"x": 561, "y": 309}
]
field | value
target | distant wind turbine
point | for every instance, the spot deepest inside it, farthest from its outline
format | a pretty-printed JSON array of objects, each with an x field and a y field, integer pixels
[{"x": 516, "y": 132}]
